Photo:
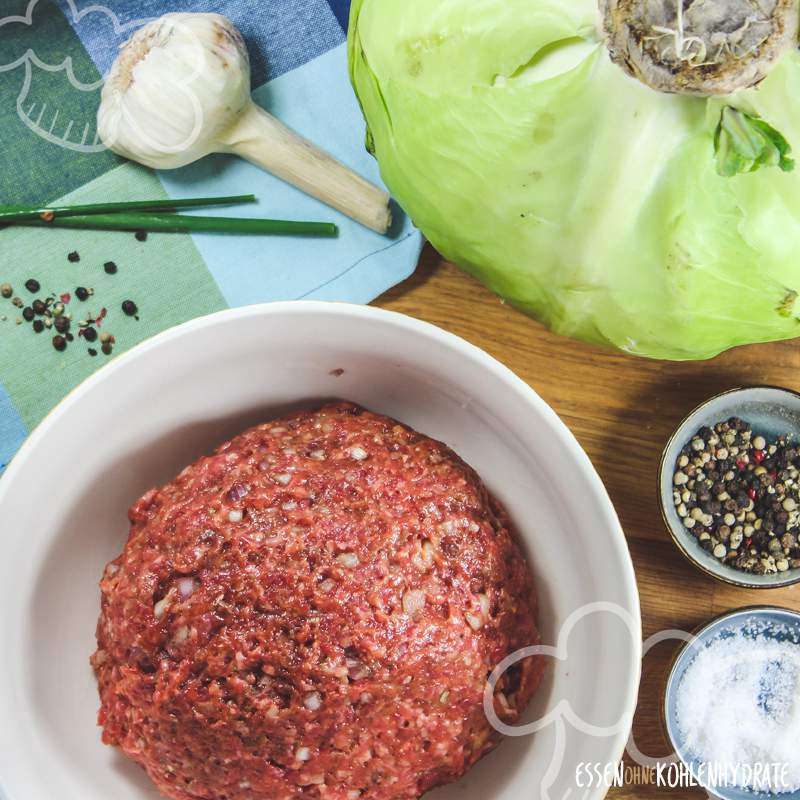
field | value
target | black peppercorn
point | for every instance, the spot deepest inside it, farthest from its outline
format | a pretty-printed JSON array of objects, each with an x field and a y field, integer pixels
[
  {"x": 60, "y": 343},
  {"x": 141, "y": 236},
  {"x": 90, "y": 334},
  {"x": 39, "y": 307},
  {"x": 61, "y": 324},
  {"x": 32, "y": 285},
  {"x": 110, "y": 267},
  {"x": 742, "y": 500},
  {"x": 38, "y": 325},
  {"x": 129, "y": 308},
  {"x": 92, "y": 352},
  {"x": 82, "y": 293},
  {"x": 27, "y": 314},
  {"x": 74, "y": 257}
]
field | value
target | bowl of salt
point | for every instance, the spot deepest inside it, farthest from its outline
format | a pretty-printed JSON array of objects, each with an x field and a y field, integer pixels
[{"x": 732, "y": 705}]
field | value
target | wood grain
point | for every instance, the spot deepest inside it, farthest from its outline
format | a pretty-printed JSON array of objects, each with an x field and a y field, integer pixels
[{"x": 622, "y": 410}]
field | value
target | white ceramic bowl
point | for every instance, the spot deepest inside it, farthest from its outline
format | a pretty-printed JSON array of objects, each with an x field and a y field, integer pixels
[{"x": 140, "y": 419}]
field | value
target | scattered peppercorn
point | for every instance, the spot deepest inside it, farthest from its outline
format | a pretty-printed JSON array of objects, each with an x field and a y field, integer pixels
[
  {"x": 74, "y": 257},
  {"x": 129, "y": 308},
  {"x": 740, "y": 497},
  {"x": 45, "y": 313},
  {"x": 141, "y": 236}
]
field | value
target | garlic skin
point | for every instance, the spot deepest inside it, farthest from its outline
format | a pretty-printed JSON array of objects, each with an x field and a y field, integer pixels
[
  {"x": 180, "y": 90},
  {"x": 178, "y": 84}
]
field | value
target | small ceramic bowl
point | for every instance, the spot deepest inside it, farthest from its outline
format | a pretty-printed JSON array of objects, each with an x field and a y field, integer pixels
[
  {"x": 772, "y": 412},
  {"x": 774, "y": 623}
]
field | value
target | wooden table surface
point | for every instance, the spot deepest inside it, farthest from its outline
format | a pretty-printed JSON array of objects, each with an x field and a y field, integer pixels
[{"x": 622, "y": 410}]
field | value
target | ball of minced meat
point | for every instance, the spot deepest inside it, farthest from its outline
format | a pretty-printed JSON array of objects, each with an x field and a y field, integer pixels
[{"x": 312, "y": 611}]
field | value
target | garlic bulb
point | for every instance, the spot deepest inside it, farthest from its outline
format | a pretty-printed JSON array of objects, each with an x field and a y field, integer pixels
[{"x": 180, "y": 90}]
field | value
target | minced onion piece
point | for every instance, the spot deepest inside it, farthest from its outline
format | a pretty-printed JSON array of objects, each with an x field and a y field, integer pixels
[
  {"x": 348, "y": 560},
  {"x": 485, "y": 606},
  {"x": 181, "y": 635},
  {"x": 160, "y": 608},
  {"x": 413, "y": 602},
  {"x": 476, "y": 623},
  {"x": 186, "y": 587}
]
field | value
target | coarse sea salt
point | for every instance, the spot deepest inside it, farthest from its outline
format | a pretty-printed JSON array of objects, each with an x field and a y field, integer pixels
[{"x": 738, "y": 704}]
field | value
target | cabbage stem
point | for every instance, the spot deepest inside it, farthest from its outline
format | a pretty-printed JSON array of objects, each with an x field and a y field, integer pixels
[{"x": 700, "y": 47}]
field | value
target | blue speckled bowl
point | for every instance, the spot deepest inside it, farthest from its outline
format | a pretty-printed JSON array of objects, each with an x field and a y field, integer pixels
[
  {"x": 771, "y": 411},
  {"x": 732, "y": 621}
]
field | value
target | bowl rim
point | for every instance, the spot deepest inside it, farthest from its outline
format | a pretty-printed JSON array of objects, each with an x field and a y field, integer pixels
[
  {"x": 450, "y": 340},
  {"x": 662, "y": 466},
  {"x": 696, "y": 633}
]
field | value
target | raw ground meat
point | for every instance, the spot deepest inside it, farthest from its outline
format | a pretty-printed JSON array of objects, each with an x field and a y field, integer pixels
[{"x": 312, "y": 612}]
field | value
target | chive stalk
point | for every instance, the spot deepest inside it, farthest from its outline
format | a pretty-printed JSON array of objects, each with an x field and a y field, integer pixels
[
  {"x": 19, "y": 213},
  {"x": 174, "y": 223}
]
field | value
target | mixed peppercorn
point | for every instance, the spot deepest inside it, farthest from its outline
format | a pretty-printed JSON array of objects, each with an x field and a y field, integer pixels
[
  {"x": 51, "y": 312},
  {"x": 739, "y": 495}
]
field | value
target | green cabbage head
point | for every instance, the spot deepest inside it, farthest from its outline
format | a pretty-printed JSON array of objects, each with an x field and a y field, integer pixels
[{"x": 667, "y": 225}]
